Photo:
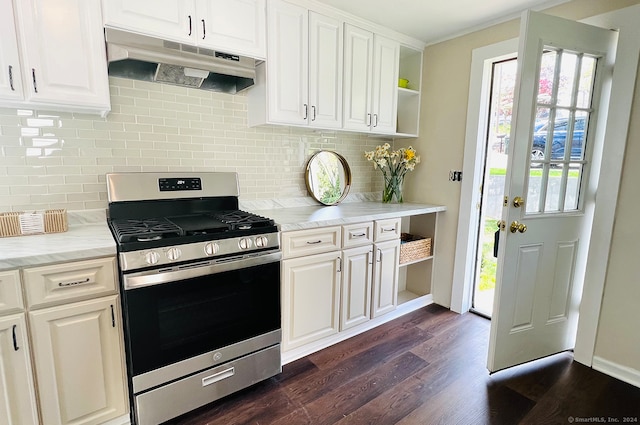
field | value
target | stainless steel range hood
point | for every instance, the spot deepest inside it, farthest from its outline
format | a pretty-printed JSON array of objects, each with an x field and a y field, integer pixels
[{"x": 146, "y": 58}]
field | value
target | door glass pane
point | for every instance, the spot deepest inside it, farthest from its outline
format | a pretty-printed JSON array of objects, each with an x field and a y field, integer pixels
[
  {"x": 540, "y": 131},
  {"x": 532, "y": 204},
  {"x": 573, "y": 187},
  {"x": 585, "y": 86},
  {"x": 568, "y": 64},
  {"x": 579, "y": 135},
  {"x": 554, "y": 189},
  {"x": 547, "y": 72}
]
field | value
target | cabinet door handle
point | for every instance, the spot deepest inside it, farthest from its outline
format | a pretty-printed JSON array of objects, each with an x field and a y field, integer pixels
[
  {"x": 113, "y": 317},
  {"x": 313, "y": 109},
  {"x": 368, "y": 120},
  {"x": 74, "y": 282},
  {"x": 375, "y": 118},
  {"x": 15, "y": 339},
  {"x": 204, "y": 29},
  {"x": 35, "y": 84},
  {"x": 11, "y": 78},
  {"x": 306, "y": 111},
  {"x": 339, "y": 264},
  {"x": 190, "y": 26},
  {"x": 379, "y": 256},
  {"x": 370, "y": 257},
  {"x": 314, "y": 242}
]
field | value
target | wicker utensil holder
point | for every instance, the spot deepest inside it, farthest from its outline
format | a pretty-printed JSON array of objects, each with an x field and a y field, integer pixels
[
  {"x": 414, "y": 247},
  {"x": 21, "y": 224}
]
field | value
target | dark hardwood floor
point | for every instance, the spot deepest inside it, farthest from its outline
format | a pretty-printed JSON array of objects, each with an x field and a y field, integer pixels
[{"x": 427, "y": 367}]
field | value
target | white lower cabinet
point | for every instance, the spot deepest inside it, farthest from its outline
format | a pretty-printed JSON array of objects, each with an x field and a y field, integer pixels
[
  {"x": 328, "y": 290},
  {"x": 77, "y": 354},
  {"x": 311, "y": 296},
  {"x": 385, "y": 277},
  {"x": 16, "y": 378},
  {"x": 74, "y": 345},
  {"x": 357, "y": 272}
]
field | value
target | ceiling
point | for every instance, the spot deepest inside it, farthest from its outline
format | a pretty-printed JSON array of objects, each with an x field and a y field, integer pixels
[{"x": 436, "y": 20}]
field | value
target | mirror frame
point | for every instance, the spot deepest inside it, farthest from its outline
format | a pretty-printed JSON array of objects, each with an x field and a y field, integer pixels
[{"x": 347, "y": 176}]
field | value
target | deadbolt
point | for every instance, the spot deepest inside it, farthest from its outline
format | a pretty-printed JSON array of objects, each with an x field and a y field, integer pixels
[
  {"x": 518, "y": 227},
  {"x": 518, "y": 202},
  {"x": 501, "y": 224}
]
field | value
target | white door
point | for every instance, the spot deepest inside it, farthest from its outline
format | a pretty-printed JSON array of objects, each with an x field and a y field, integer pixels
[
  {"x": 357, "y": 271},
  {"x": 167, "y": 19},
  {"x": 542, "y": 250},
  {"x": 384, "y": 110},
  {"x": 77, "y": 352},
  {"x": 63, "y": 52},
  {"x": 385, "y": 277},
  {"x": 358, "y": 77},
  {"x": 325, "y": 71},
  {"x": 288, "y": 66},
  {"x": 234, "y": 26},
  {"x": 311, "y": 296},
  {"x": 16, "y": 380},
  {"x": 10, "y": 77}
]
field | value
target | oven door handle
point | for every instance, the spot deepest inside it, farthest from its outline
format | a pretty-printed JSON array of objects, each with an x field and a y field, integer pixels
[{"x": 188, "y": 271}]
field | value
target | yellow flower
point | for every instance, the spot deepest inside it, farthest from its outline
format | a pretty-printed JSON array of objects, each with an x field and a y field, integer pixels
[{"x": 409, "y": 155}]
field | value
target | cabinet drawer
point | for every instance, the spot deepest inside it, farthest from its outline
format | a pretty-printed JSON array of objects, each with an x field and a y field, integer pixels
[
  {"x": 10, "y": 294},
  {"x": 307, "y": 242},
  {"x": 386, "y": 230},
  {"x": 49, "y": 285},
  {"x": 357, "y": 234}
]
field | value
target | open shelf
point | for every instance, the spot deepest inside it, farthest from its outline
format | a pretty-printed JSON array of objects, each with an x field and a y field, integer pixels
[
  {"x": 408, "y": 263},
  {"x": 409, "y": 98},
  {"x": 406, "y": 296}
]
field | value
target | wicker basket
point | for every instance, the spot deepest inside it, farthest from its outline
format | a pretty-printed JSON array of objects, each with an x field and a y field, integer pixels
[
  {"x": 414, "y": 247},
  {"x": 20, "y": 223}
]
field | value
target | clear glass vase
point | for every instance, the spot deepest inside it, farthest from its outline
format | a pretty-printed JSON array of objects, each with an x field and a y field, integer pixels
[{"x": 392, "y": 189}]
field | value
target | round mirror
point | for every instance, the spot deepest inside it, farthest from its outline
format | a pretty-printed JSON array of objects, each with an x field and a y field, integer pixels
[{"x": 328, "y": 177}]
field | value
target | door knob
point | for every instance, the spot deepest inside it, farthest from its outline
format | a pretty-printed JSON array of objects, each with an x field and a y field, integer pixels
[
  {"x": 518, "y": 227},
  {"x": 518, "y": 202}
]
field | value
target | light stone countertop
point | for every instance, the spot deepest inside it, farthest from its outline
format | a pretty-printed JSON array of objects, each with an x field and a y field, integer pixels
[
  {"x": 88, "y": 237},
  {"x": 309, "y": 217}
]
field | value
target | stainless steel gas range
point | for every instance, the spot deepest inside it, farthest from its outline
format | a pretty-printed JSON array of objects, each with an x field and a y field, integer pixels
[{"x": 200, "y": 284}]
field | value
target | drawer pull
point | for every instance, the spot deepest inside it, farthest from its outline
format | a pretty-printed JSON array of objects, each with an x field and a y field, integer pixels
[
  {"x": 388, "y": 229},
  {"x": 15, "y": 339},
  {"x": 314, "y": 242},
  {"x": 74, "y": 283},
  {"x": 358, "y": 235},
  {"x": 217, "y": 377}
]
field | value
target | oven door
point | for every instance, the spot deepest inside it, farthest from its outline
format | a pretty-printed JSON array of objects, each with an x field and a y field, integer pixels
[{"x": 193, "y": 316}]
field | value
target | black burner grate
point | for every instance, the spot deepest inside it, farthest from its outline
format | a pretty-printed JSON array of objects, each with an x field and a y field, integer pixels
[
  {"x": 242, "y": 220},
  {"x": 143, "y": 230}
]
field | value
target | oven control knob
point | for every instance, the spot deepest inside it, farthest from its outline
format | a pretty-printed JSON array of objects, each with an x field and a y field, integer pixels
[
  {"x": 262, "y": 241},
  {"x": 173, "y": 254},
  {"x": 151, "y": 257},
  {"x": 245, "y": 243},
  {"x": 211, "y": 248}
]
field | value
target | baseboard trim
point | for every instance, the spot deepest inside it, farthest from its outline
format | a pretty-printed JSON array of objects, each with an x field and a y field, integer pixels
[
  {"x": 618, "y": 371},
  {"x": 121, "y": 420}
]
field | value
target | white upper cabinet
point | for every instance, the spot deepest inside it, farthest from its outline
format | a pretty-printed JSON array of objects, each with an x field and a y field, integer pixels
[
  {"x": 62, "y": 49},
  {"x": 303, "y": 83},
  {"x": 10, "y": 79},
  {"x": 234, "y": 26},
  {"x": 167, "y": 19},
  {"x": 325, "y": 71},
  {"x": 287, "y": 81},
  {"x": 371, "y": 80}
]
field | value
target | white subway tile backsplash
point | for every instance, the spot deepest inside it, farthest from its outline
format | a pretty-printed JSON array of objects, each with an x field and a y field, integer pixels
[{"x": 58, "y": 160}]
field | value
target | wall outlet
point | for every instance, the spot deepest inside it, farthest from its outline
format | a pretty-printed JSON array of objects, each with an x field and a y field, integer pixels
[{"x": 455, "y": 175}]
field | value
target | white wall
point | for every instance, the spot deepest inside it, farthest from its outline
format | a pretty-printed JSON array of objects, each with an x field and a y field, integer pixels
[{"x": 58, "y": 160}]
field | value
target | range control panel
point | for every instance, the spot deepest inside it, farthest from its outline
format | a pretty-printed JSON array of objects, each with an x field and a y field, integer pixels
[{"x": 175, "y": 184}]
